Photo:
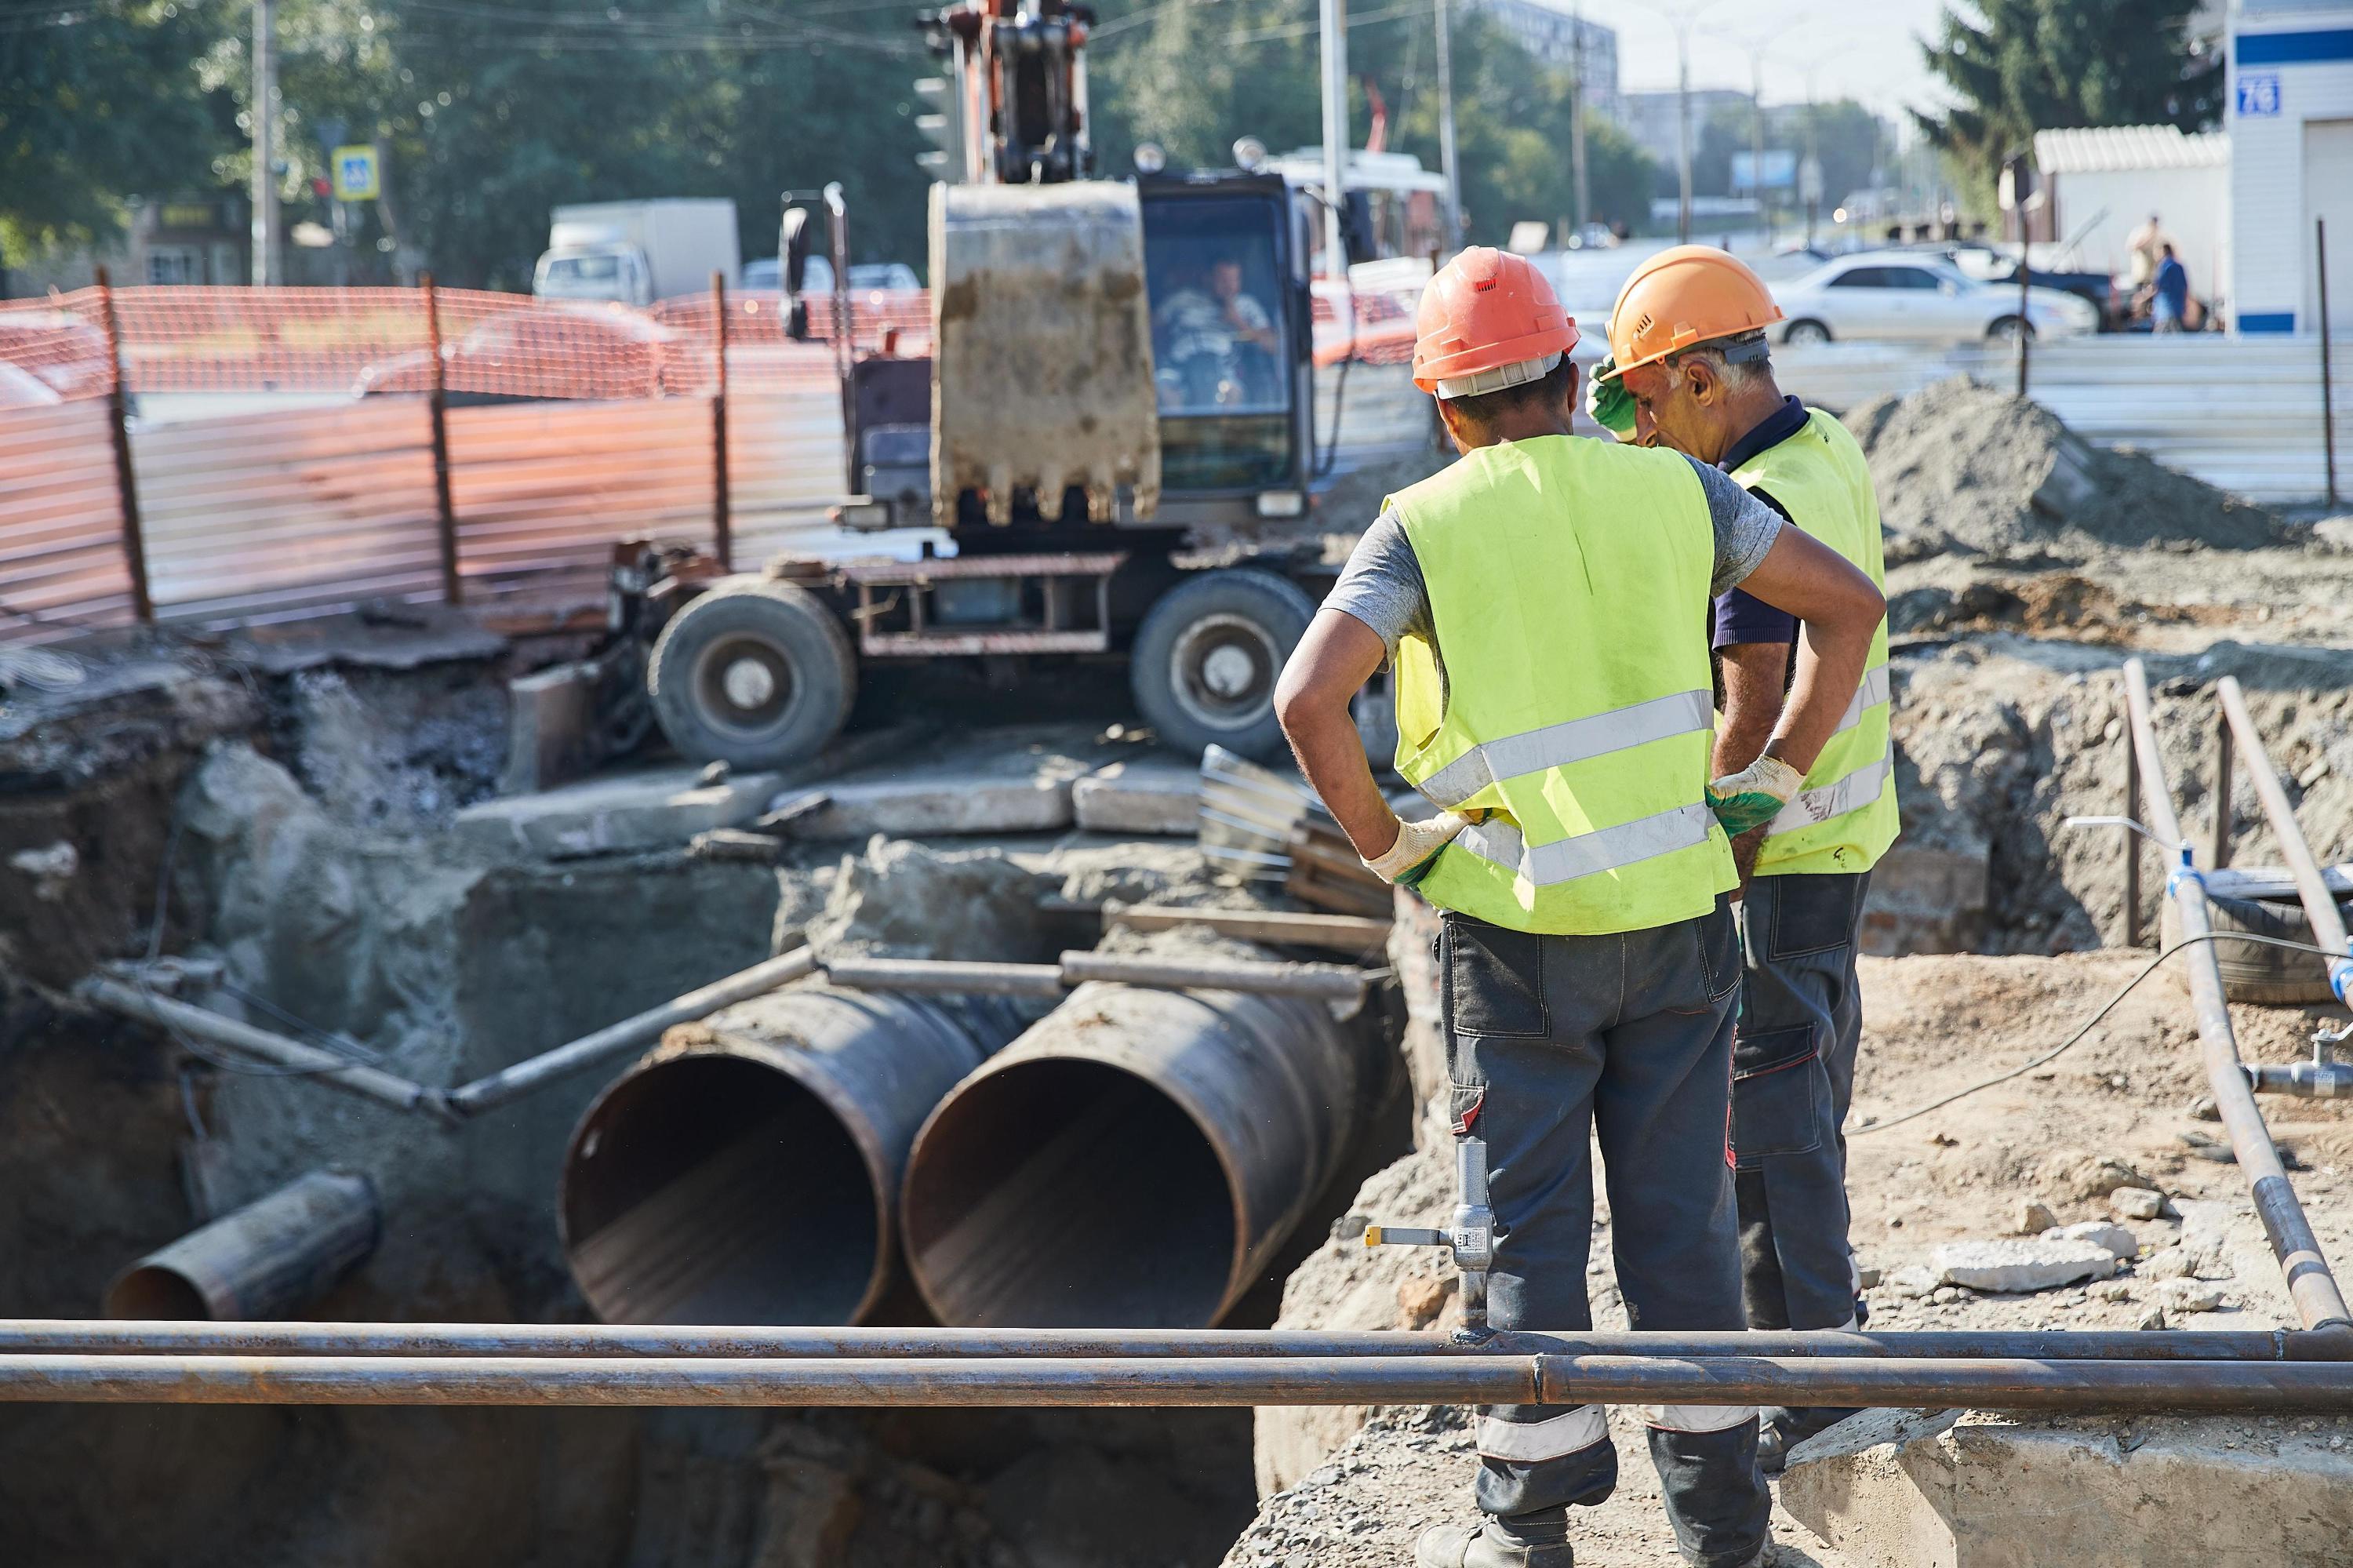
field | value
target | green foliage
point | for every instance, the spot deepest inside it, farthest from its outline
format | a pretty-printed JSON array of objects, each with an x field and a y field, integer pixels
[
  {"x": 1192, "y": 74},
  {"x": 2023, "y": 65},
  {"x": 492, "y": 112},
  {"x": 98, "y": 103}
]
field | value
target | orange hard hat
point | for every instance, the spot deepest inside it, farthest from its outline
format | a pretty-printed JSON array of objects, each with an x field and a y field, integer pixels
[
  {"x": 1488, "y": 320},
  {"x": 1683, "y": 297}
]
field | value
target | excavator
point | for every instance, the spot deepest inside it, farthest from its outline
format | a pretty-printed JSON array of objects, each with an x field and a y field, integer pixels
[{"x": 1114, "y": 429}]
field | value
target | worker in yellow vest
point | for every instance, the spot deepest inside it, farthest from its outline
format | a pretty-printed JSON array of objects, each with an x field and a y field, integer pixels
[
  {"x": 1540, "y": 600},
  {"x": 1689, "y": 368}
]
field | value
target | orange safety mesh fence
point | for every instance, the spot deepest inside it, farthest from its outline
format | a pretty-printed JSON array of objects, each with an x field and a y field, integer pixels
[{"x": 370, "y": 341}]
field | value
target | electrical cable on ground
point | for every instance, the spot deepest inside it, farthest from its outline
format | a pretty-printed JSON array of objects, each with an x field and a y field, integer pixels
[{"x": 2106, "y": 1008}]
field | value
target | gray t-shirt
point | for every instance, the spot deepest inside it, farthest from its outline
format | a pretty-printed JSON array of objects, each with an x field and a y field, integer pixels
[{"x": 1382, "y": 584}]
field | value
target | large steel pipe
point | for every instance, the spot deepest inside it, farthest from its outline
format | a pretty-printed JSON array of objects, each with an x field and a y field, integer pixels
[
  {"x": 270, "y": 1259},
  {"x": 2295, "y": 853},
  {"x": 2310, "y": 1284},
  {"x": 77, "y": 1337},
  {"x": 747, "y": 1172},
  {"x": 1132, "y": 1161},
  {"x": 2202, "y": 1387}
]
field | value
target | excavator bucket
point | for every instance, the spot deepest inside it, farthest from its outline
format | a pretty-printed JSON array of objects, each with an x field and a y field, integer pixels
[{"x": 1042, "y": 349}]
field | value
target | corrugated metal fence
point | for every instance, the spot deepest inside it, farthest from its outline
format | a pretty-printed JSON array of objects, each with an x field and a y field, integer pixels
[{"x": 2243, "y": 413}]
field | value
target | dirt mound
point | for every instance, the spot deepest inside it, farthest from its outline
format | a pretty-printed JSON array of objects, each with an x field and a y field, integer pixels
[{"x": 1963, "y": 469}]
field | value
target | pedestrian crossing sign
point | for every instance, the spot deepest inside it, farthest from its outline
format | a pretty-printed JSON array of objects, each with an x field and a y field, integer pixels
[{"x": 357, "y": 176}]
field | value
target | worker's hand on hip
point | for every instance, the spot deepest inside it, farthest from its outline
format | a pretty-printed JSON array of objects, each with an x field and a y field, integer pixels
[
  {"x": 1754, "y": 796},
  {"x": 1409, "y": 859},
  {"x": 1611, "y": 405}
]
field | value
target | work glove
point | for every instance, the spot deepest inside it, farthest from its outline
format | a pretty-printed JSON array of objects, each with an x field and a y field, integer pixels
[
  {"x": 1754, "y": 796},
  {"x": 1611, "y": 405},
  {"x": 1409, "y": 859}
]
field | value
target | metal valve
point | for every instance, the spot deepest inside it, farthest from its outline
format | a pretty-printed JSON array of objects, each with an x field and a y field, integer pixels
[
  {"x": 2322, "y": 1077},
  {"x": 1470, "y": 1238}
]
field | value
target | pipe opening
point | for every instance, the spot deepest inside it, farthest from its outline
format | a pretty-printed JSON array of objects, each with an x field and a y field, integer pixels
[
  {"x": 715, "y": 1189},
  {"x": 1066, "y": 1194},
  {"x": 151, "y": 1292}
]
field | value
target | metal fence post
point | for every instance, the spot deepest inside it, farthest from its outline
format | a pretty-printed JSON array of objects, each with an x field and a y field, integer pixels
[
  {"x": 2218, "y": 853},
  {"x": 126, "y": 483},
  {"x": 2328, "y": 392},
  {"x": 722, "y": 533},
  {"x": 436, "y": 403},
  {"x": 2132, "y": 840}
]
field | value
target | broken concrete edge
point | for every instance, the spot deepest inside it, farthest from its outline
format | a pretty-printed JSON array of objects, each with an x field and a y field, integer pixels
[{"x": 1972, "y": 1490}]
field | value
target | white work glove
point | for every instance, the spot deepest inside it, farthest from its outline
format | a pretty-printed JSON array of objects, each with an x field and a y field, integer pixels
[
  {"x": 1754, "y": 796},
  {"x": 1415, "y": 843}
]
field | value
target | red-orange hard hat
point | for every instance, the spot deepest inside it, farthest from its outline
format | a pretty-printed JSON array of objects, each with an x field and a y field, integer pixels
[
  {"x": 1487, "y": 321},
  {"x": 1681, "y": 298}
]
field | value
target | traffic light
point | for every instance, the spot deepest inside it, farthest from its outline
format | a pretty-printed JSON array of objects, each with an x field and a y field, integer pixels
[{"x": 944, "y": 126}]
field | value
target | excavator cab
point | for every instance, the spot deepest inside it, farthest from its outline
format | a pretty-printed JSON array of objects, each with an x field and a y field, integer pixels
[{"x": 1232, "y": 343}]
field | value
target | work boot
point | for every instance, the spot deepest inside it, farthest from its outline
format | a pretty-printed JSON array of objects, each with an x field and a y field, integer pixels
[
  {"x": 1528, "y": 1540},
  {"x": 1784, "y": 1429}
]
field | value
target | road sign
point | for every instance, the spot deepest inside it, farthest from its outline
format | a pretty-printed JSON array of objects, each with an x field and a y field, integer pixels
[
  {"x": 358, "y": 176},
  {"x": 2259, "y": 95}
]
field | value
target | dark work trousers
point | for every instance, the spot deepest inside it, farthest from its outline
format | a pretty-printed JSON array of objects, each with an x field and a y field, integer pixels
[
  {"x": 1793, "y": 1074},
  {"x": 1550, "y": 1039}
]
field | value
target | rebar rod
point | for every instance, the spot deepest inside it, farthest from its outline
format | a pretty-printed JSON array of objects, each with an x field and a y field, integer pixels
[
  {"x": 87, "y": 1336},
  {"x": 2296, "y": 850},
  {"x": 2311, "y": 1285},
  {"x": 509, "y": 1083},
  {"x": 319, "y": 1065},
  {"x": 1989, "y": 1384}
]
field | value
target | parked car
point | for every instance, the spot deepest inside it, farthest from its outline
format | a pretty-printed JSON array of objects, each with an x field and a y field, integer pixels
[
  {"x": 548, "y": 350},
  {"x": 1906, "y": 297},
  {"x": 1985, "y": 264}
]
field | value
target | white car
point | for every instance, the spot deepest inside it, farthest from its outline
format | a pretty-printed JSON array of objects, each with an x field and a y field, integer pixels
[{"x": 1899, "y": 296}]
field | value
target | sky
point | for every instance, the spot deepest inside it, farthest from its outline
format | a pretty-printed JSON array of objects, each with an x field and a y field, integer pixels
[{"x": 1867, "y": 52}]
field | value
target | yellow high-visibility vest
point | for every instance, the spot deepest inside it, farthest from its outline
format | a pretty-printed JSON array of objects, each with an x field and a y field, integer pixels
[
  {"x": 1844, "y": 816},
  {"x": 1568, "y": 590}
]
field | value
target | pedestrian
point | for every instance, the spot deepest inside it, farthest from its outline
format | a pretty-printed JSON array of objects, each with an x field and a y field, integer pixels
[
  {"x": 2141, "y": 246},
  {"x": 2168, "y": 306},
  {"x": 1537, "y": 600},
  {"x": 1709, "y": 393}
]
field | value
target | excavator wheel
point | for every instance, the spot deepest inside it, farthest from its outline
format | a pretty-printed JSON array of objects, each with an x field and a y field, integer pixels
[
  {"x": 1207, "y": 657},
  {"x": 756, "y": 674}
]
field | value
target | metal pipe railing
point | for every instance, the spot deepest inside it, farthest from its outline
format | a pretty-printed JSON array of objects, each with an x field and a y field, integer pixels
[
  {"x": 2318, "y": 1300},
  {"x": 2296, "y": 850},
  {"x": 1987, "y": 1384},
  {"x": 593, "y": 1341}
]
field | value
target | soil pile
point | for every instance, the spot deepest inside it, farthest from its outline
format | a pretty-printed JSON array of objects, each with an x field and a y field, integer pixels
[{"x": 1963, "y": 469}]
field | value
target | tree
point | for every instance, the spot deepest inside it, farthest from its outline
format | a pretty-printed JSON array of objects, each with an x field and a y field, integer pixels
[
  {"x": 2023, "y": 65},
  {"x": 97, "y": 103}
]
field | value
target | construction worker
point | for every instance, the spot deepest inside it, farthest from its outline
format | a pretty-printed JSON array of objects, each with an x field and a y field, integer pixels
[
  {"x": 1689, "y": 368},
  {"x": 1538, "y": 601}
]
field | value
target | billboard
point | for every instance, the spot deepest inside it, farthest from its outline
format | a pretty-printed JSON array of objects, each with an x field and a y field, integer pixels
[{"x": 1779, "y": 168}]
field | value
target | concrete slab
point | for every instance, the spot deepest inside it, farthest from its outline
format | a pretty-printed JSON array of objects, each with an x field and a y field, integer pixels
[
  {"x": 999, "y": 781},
  {"x": 659, "y": 808},
  {"x": 551, "y": 726},
  {"x": 1949, "y": 1489},
  {"x": 1160, "y": 796}
]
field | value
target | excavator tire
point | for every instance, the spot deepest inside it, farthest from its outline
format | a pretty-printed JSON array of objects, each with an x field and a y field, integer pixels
[
  {"x": 1206, "y": 659},
  {"x": 755, "y": 673}
]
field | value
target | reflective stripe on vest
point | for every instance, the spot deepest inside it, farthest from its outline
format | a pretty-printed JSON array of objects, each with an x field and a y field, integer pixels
[
  {"x": 1857, "y": 790},
  {"x": 1845, "y": 814},
  {"x": 1571, "y": 728},
  {"x": 1872, "y": 693},
  {"x": 1586, "y": 854},
  {"x": 1577, "y": 740}
]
